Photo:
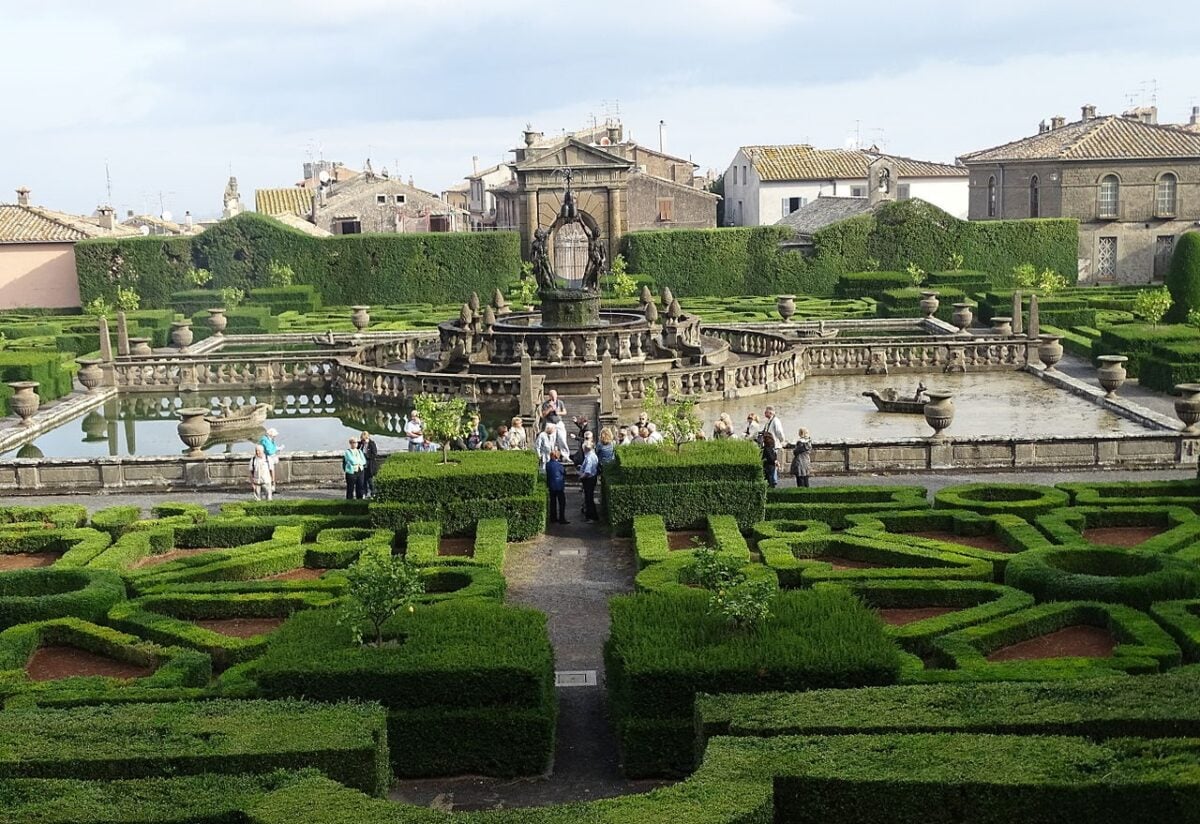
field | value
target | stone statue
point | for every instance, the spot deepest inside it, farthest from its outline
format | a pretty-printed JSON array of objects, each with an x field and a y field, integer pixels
[
  {"x": 920, "y": 390},
  {"x": 597, "y": 259},
  {"x": 885, "y": 180},
  {"x": 540, "y": 255}
]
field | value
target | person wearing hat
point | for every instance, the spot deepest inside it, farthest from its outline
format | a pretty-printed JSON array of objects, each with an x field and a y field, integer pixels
[{"x": 271, "y": 450}]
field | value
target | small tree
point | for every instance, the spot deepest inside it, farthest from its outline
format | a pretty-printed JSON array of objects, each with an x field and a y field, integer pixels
[
  {"x": 741, "y": 603},
  {"x": 379, "y": 588},
  {"x": 128, "y": 300},
  {"x": 442, "y": 421},
  {"x": 232, "y": 297},
  {"x": 676, "y": 419},
  {"x": 623, "y": 284},
  {"x": 280, "y": 274},
  {"x": 956, "y": 261},
  {"x": 1050, "y": 281},
  {"x": 98, "y": 307},
  {"x": 915, "y": 273},
  {"x": 1025, "y": 276},
  {"x": 1183, "y": 278},
  {"x": 1152, "y": 304},
  {"x": 198, "y": 277}
]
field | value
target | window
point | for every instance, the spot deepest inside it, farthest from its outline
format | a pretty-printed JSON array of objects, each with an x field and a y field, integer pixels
[
  {"x": 1108, "y": 204},
  {"x": 381, "y": 199},
  {"x": 741, "y": 216},
  {"x": 666, "y": 209},
  {"x": 348, "y": 226},
  {"x": 858, "y": 191},
  {"x": 791, "y": 204},
  {"x": 903, "y": 192},
  {"x": 991, "y": 195},
  {"x": 1164, "y": 248},
  {"x": 1106, "y": 258},
  {"x": 1035, "y": 206},
  {"x": 400, "y": 199},
  {"x": 1164, "y": 196},
  {"x": 743, "y": 175}
]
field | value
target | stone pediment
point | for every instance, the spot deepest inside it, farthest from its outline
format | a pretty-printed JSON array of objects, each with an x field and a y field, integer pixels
[{"x": 574, "y": 154}]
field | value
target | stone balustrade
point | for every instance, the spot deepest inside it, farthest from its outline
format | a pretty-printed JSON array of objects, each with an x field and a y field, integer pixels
[
  {"x": 906, "y": 355},
  {"x": 263, "y": 371},
  {"x": 746, "y": 341}
]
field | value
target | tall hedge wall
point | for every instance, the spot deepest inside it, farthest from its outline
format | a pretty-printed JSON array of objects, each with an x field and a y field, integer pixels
[
  {"x": 749, "y": 260},
  {"x": 371, "y": 268}
]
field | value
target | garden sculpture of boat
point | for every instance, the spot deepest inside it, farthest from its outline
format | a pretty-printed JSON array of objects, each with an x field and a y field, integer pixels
[
  {"x": 889, "y": 400},
  {"x": 238, "y": 420}
]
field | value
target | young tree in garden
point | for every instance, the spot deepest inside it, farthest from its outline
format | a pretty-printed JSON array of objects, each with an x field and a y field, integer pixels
[
  {"x": 676, "y": 419},
  {"x": 1152, "y": 304},
  {"x": 379, "y": 587},
  {"x": 444, "y": 420}
]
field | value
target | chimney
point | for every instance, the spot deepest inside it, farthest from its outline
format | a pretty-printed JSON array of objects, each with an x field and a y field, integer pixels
[
  {"x": 1057, "y": 122},
  {"x": 187, "y": 218},
  {"x": 531, "y": 136},
  {"x": 316, "y": 202},
  {"x": 1043, "y": 128},
  {"x": 1088, "y": 111},
  {"x": 1195, "y": 121},
  {"x": 1150, "y": 115},
  {"x": 23, "y": 192},
  {"x": 474, "y": 164},
  {"x": 128, "y": 213},
  {"x": 107, "y": 219},
  {"x": 662, "y": 134},
  {"x": 614, "y": 133}
]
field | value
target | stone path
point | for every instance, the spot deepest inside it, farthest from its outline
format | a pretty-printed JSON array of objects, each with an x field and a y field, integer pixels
[
  {"x": 569, "y": 574},
  {"x": 1083, "y": 370}
]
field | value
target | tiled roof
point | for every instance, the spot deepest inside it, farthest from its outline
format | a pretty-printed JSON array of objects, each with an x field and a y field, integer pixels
[
  {"x": 1100, "y": 138},
  {"x": 301, "y": 224},
  {"x": 290, "y": 200},
  {"x": 799, "y": 161},
  {"x": 819, "y": 213},
  {"x": 167, "y": 226},
  {"x": 33, "y": 224}
]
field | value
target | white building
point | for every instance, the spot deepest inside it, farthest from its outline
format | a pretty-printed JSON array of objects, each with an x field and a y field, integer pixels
[
  {"x": 481, "y": 199},
  {"x": 766, "y": 183}
]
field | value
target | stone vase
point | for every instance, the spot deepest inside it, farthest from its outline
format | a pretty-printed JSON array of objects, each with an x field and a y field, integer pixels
[
  {"x": 361, "y": 319},
  {"x": 1187, "y": 406},
  {"x": 140, "y": 347},
  {"x": 929, "y": 303},
  {"x": 939, "y": 412},
  {"x": 1050, "y": 351},
  {"x": 1111, "y": 373},
  {"x": 193, "y": 429},
  {"x": 786, "y": 306},
  {"x": 89, "y": 373},
  {"x": 217, "y": 321},
  {"x": 181, "y": 334},
  {"x": 25, "y": 401},
  {"x": 1002, "y": 325},
  {"x": 962, "y": 317}
]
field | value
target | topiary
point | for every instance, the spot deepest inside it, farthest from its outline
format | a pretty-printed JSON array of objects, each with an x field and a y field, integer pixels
[{"x": 1183, "y": 278}]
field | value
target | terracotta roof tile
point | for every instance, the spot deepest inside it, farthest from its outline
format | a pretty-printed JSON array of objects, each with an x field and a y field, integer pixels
[
  {"x": 799, "y": 161},
  {"x": 289, "y": 200},
  {"x": 33, "y": 224},
  {"x": 1101, "y": 138}
]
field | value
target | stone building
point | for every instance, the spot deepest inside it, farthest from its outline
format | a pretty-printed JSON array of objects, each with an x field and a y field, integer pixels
[
  {"x": 766, "y": 183},
  {"x": 366, "y": 202},
  {"x": 620, "y": 185},
  {"x": 1133, "y": 185}
]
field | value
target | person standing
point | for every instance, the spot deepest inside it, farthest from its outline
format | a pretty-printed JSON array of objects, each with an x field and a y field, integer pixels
[
  {"x": 556, "y": 486},
  {"x": 606, "y": 450},
  {"x": 802, "y": 457},
  {"x": 414, "y": 430},
  {"x": 353, "y": 465},
  {"x": 545, "y": 445},
  {"x": 260, "y": 475},
  {"x": 589, "y": 471},
  {"x": 770, "y": 460},
  {"x": 370, "y": 451},
  {"x": 271, "y": 451},
  {"x": 518, "y": 438},
  {"x": 774, "y": 426},
  {"x": 753, "y": 428}
]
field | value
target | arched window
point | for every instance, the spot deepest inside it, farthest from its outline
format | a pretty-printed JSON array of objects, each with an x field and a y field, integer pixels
[
  {"x": 992, "y": 196},
  {"x": 1164, "y": 196},
  {"x": 1035, "y": 206},
  {"x": 1109, "y": 202}
]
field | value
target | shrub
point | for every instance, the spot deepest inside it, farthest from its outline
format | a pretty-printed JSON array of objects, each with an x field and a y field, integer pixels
[
  {"x": 421, "y": 478},
  {"x": 1026, "y": 500},
  {"x": 1152, "y": 304},
  {"x": 832, "y": 504},
  {"x": 38, "y": 594},
  {"x": 1183, "y": 277},
  {"x": 1102, "y": 574},
  {"x": 378, "y": 588},
  {"x": 871, "y": 284}
]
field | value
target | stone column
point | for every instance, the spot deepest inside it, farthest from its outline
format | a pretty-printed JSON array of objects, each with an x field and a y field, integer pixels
[
  {"x": 614, "y": 221},
  {"x": 1035, "y": 326},
  {"x": 1018, "y": 327},
  {"x": 122, "y": 334},
  {"x": 108, "y": 376},
  {"x": 608, "y": 394},
  {"x": 531, "y": 217},
  {"x": 529, "y": 399}
]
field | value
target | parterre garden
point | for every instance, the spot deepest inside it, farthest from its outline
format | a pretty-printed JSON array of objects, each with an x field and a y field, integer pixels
[{"x": 998, "y": 652}]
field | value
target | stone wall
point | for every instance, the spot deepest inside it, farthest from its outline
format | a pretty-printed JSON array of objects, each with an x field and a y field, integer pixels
[{"x": 691, "y": 208}]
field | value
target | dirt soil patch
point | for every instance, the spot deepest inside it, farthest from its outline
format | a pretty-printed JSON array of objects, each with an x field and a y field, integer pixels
[
  {"x": 52, "y": 663},
  {"x": 300, "y": 574},
  {"x": 168, "y": 557},
  {"x": 990, "y": 542},
  {"x": 1121, "y": 536},
  {"x": 686, "y": 539},
  {"x": 1077, "y": 641},
  {"x": 240, "y": 627},
  {"x": 457, "y": 547},
  {"x": 899, "y": 616},
  {"x": 27, "y": 560}
]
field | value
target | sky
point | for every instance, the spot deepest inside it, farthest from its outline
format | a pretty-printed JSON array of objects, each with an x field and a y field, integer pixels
[{"x": 166, "y": 100}]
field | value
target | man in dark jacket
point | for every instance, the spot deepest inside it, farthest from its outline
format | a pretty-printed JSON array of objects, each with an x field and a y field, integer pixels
[
  {"x": 556, "y": 483},
  {"x": 370, "y": 451}
]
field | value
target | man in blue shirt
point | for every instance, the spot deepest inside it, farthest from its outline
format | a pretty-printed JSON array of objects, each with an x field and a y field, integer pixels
[
  {"x": 589, "y": 470},
  {"x": 556, "y": 485}
]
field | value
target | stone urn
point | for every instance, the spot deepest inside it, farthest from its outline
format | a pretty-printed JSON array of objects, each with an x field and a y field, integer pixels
[
  {"x": 89, "y": 373},
  {"x": 25, "y": 401},
  {"x": 217, "y": 321},
  {"x": 140, "y": 347},
  {"x": 30, "y": 452},
  {"x": 929, "y": 303},
  {"x": 786, "y": 306},
  {"x": 95, "y": 427},
  {"x": 1187, "y": 406},
  {"x": 1002, "y": 325},
  {"x": 962, "y": 317},
  {"x": 181, "y": 334},
  {"x": 361, "y": 319},
  {"x": 193, "y": 429},
  {"x": 939, "y": 411},
  {"x": 1050, "y": 351},
  {"x": 1111, "y": 373}
]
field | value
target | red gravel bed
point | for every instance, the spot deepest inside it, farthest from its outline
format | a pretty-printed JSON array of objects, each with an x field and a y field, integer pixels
[
  {"x": 52, "y": 663},
  {"x": 300, "y": 574},
  {"x": 240, "y": 627},
  {"x": 899, "y": 616},
  {"x": 978, "y": 541},
  {"x": 684, "y": 539},
  {"x": 1079, "y": 641},
  {"x": 1121, "y": 536},
  {"x": 27, "y": 560},
  {"x": 167, "y": 557},
  {"x": 457, "y": 547}
]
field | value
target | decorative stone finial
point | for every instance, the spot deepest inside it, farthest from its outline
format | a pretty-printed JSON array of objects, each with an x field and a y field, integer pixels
[
  {"x": 465, "y": 315},
  {"x": 667, "y": 297},
  {"x": 646, "y": 296},
  {"x": 674, "y": 310},
  {"x": 473, "y": 302},
  {"x": 489, "y": 317},
  {"x": 651, "y": 313}
]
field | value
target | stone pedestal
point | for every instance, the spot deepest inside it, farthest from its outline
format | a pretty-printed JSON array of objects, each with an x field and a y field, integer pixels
[{"x": 569, "y": 308}]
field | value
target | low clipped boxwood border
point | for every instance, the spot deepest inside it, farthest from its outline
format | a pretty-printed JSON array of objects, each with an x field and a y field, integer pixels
[
  {"x": 60, "y": 516},
  {"x": 1180, "y": 525},
  {"x": 1181, "y": 619},
  {"x": 679, "y": 573},
  {"x": 1026, "y": 500},
  {"x": 717, "y": 460},
  {"x": 78, "y": 545},
  {"x": 788, "y": 530},
  {"x": 422, "y": 478},
  {"x": 1146, "y": 493},
  {"x": 1143, "y": 646},
  {"x": 491, "y": 541},
  {"x": 1090, "y": 573},
  {"x": 524, "y": 514},
  {"x": 40, "y": 594},
  {"x": 832, "y": 504}
]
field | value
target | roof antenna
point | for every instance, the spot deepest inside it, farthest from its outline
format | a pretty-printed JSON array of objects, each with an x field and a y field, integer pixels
[{"x": 107, "y": 182}]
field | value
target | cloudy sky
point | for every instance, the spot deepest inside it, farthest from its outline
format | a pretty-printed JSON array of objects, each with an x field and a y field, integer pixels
[{"x": 171, "y": 96}]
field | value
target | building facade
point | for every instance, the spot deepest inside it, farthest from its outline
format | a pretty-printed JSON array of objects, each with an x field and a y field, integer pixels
[
  {"x": 766, "y": 183},
  {"x": 1133, "y": 185}
]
